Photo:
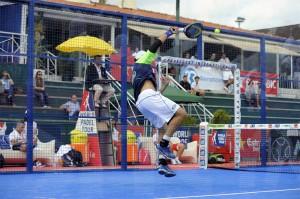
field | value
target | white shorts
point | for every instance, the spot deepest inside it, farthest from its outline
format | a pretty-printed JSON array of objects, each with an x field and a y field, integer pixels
[
  {"x": 227, "y": 74},
  {"x": 156, "y": 108}
]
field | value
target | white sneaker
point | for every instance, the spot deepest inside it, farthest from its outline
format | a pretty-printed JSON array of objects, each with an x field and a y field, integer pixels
[
  {"x": 226, "y": 89},
  {"x": 173, "y": 161},
  {"x": 178, "y": 161}
]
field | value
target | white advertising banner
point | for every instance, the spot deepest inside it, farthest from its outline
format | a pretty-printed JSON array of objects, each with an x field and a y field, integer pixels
[{"x": 210, "y": 78}]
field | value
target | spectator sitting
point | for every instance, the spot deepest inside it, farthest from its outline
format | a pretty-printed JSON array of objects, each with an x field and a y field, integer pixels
[
  {"x": 95, "y": 80},
  {"x": 252, "y": 93},
  {"x": 18, "y": 138},
  {"x": 174, "y": 147},
  {"x": 196, "y": 87},
  {"x": 213, "y": 57},
  {"x": 71, "y": 107},
  {"x": 39, "y": 89},
  {"x": 187, "y": 55},
  {"x": 185, "y": 83},
  {"x": 172, "y": 71},
  {"x": 8, "y": 86}
]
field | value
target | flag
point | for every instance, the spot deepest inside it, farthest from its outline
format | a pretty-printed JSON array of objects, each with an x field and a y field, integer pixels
[{"x": 87, "y": 103}]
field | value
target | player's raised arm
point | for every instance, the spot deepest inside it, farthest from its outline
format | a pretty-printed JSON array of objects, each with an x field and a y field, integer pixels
[{"x": 150, "y": 55}]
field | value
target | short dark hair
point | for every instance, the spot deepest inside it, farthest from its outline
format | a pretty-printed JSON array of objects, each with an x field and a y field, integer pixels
[{"x": 197, "y": 77}]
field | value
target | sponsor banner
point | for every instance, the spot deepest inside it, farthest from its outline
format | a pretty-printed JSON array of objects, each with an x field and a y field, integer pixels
[
  {"x": 210, "y": 78},
  {"x": 196, "y": 62},
  {"x": 87, "y": 118},
  {"x": 219, "y": 138},
  {"x": 184, "y": 135},
  {"x": 250, "y": 144},
  {"x": 116, "y": 65},
  {"x": 87, "y": 122},
  {"x": 271, "y": 81}
]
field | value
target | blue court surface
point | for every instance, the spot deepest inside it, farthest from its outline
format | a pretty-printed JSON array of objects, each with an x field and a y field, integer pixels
[{"x": 211, "y": 183}]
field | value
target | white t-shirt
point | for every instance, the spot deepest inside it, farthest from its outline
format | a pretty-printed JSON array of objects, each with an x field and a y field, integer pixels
[
  {"x": 251, "y": 89},
  {"x": 155, "y": 138},
  {"x": 195, "y": 85},
  {"x": 225, "y": 60},
  {"x": 19, "y": 137}
]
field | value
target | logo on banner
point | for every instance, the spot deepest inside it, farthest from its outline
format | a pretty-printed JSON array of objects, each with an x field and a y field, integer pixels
[
  {"x": 254, "y": 144},
  {"x": 183, "y": 135},
  {"x": 219, "y": 138},
  {"x": 87, "y": 118}
]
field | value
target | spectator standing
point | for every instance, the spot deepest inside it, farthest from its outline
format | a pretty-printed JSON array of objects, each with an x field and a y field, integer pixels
[
  {"x": 95, "y": 80},
  {"x": 71, "y": 107},
  {"x": 185, "y": 83},
  {"x": 252, "y": 93},
  {"x": 196, "y": 87},
  {"x": 227, "y": 74},
  {"x": 8, "y": 87},
  {"x": 39, "y": 89},
  {"x": 224, "y": 59},
  {"x": 136, "y": 50}
]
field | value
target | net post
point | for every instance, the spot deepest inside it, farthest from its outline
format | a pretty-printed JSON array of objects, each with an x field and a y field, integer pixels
[
  {"x": 203, "y": 145},
  {"x": 237, "y": 117}
]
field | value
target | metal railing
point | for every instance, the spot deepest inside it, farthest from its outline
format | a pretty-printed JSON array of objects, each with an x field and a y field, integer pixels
[
  {"x": 130, "y": 101},
  {"x": 194, "y": 109},
  {"x": 12, "y": 46},
  {"x": 49, "y": 61}
]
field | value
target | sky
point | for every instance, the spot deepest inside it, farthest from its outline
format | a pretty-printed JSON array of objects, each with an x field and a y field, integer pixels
[{"x": 259, "y": 14}]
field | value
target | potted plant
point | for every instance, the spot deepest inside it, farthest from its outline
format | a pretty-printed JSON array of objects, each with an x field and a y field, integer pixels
[{"x": 221, "y": 117}]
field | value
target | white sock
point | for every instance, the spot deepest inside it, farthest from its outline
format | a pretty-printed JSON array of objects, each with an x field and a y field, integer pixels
[{"x": 165, "y": 137}]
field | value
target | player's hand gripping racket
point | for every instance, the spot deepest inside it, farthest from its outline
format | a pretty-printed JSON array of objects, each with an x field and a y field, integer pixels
[{"x": 192, "y": 30}]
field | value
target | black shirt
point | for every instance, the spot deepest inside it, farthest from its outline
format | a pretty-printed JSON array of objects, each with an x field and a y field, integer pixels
[{"x": 185, "y": 85}]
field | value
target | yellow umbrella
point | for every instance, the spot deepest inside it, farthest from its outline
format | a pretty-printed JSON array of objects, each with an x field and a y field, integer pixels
[{"x": 86, "y": 44}]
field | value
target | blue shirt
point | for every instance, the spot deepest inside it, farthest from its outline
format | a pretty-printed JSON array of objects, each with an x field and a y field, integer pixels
[
  {"x": 143, "y": 71},
  {"x": 6, "y": 84},
  {"x": 74, "y": 107}
]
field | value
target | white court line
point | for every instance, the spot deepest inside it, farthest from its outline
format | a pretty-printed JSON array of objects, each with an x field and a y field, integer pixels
[{"x": 232, "y": 194}]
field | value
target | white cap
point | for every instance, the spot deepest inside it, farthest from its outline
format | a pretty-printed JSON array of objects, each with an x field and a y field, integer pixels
[{"x": 139, "y": 54}]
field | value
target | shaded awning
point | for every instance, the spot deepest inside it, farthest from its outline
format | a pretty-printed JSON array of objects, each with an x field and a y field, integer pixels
[
  {"x": 246, "y": 45},
  {"x": 254, "y": 46},
  {"x": 278, "y": 49},
  {"x": 154, "y": 30}
]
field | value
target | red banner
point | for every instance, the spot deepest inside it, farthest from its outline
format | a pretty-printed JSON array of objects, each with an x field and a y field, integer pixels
[
  {"x": 271, "y": 81},
  {"x": 116, "y": 65},
  {"x": 250, "y": 144}
]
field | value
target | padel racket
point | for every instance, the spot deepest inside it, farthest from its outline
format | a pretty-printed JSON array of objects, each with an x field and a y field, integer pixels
[{"x": 192, "y": 30}]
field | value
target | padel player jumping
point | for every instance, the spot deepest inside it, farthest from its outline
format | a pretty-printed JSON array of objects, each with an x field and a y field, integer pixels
[{"x": 159, "y": 110}]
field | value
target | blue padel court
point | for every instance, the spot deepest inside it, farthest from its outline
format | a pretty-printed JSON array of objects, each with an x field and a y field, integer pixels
[{"x": 211, "y": 183}]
